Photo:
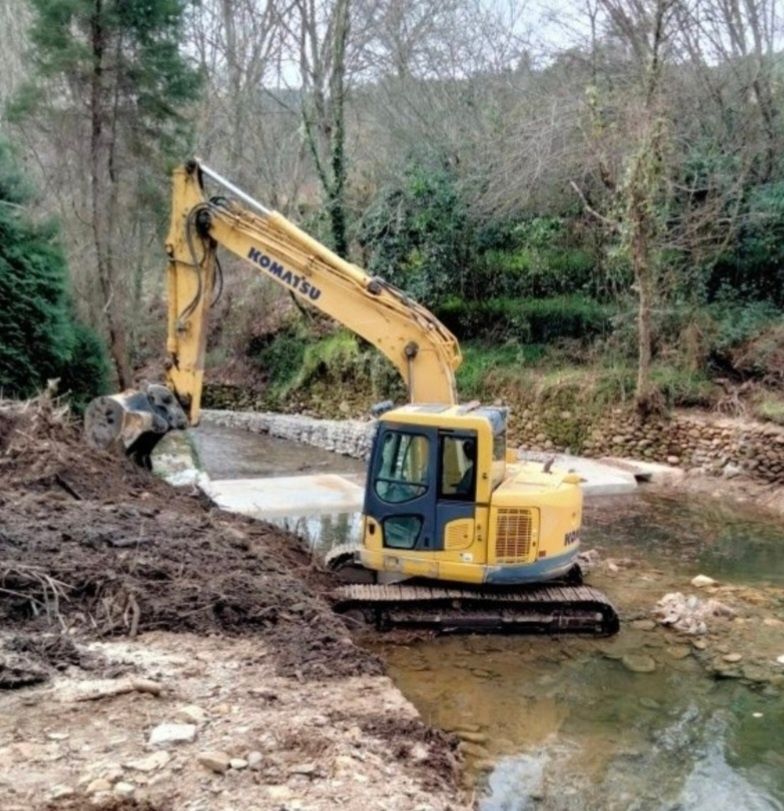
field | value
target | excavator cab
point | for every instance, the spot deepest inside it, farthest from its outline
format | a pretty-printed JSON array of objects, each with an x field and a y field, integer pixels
[{"x": 432, "y": 473}]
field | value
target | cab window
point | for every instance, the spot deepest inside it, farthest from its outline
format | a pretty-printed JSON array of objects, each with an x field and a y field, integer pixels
[
  {"x": 458, "y": 467},
  {"x": 402, "y": 467}
]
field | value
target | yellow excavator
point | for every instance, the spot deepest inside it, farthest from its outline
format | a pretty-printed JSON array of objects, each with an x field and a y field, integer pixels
[{"x": 473, "y": 539}]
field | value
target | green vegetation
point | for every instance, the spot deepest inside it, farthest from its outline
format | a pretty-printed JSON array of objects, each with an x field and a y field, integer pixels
[
  {"x": 528, "y": 321},
  {"x": 39, "y": 337},
  {"x": 334, "y": 366}
]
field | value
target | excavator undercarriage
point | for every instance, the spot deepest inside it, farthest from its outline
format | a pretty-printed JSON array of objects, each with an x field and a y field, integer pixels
[
  {"x": 548, "y": 609},
  {"x": 564, "y": 606}
]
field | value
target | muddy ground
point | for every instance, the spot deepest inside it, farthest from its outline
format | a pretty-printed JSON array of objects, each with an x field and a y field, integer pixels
[{"x": 126, "y": 604}]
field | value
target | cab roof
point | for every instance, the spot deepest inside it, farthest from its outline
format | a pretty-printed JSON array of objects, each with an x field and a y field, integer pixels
[{"x": 438, "y": 413}]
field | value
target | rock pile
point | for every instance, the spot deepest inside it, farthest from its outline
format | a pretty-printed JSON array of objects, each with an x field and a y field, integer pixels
[{"x": 691, "y": 615}]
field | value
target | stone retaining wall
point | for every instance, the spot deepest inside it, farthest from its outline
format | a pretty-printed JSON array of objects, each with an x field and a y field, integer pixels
[
  {"x": 349, "y": 437},
  {"x": 706, "y": 444},
  {"x": 700, "y": 442}
]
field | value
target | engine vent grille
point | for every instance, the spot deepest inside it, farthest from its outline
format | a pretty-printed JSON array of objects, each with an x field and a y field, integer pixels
[{"x": 514, "y": 531}]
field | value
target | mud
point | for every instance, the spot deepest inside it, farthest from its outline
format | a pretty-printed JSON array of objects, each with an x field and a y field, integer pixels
[
  {"x": 91, "y": 544},
  {"x": 107, "y": 572}
]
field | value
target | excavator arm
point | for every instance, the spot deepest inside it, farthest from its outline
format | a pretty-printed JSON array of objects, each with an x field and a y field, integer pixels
[
  {"x": 421, "y": 348},
  {"x": 424, "y": 352}
]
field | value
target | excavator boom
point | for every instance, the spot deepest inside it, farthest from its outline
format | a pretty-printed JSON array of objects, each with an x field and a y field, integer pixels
[{"x": 424, "y": 352}]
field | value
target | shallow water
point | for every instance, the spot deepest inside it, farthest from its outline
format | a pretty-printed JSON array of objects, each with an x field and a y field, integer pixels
[
  {"x": 563, "y": 724},
  {"x": 568, "y": 726},
  {"x": 233, "y": 453}
]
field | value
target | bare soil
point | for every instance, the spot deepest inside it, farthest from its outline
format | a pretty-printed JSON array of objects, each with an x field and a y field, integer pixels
[{"x": 107, "y": 573}]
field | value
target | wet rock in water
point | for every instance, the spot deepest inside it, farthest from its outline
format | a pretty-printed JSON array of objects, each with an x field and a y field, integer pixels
[
  {"x": 702, "y": 581},
  {"x": 679, "y": 651},
  {"x": 172, "y": 733},
  {"x": 464, "y": 728},
  {"x": 472, "y": 737},
  {"x": 638, "y": 663},
  {"x": 690, "y": 614},
  {"x": 217, "y": 762},
  {"x": 588, "y": 560},
  {"x": 642, "y": 625},
  {"x": 755, "y": 673},
  {"x": 732, "y": 657},
  {"x": 473, "y": 750}
]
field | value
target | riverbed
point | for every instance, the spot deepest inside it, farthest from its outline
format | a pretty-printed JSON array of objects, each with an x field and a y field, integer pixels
[{"x": 571, "y": 723}]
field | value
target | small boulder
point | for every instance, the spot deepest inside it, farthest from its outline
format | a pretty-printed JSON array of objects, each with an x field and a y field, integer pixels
[
  {"x": 191, "y": 714},
  {"x": 157, "y": 760},
  {"x": 172, "y": 733},
  {"x": 643, "y": 625},
  {"x": 638, "y": 663},
  {"x": 100, "y": 784},
  {"x": 732, "y": 657},
  {"x": 217, "y": 762},
  {"x": 702, "y": 581},
  {"x": 124, "y": 789},
  {"x": 238, "y": 763},
  {"x": 254, "y": 760}
]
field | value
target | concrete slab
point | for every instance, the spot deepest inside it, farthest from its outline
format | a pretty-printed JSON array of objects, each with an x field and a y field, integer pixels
[
  {"x": 287, "y": 495},
  {"x": 598, "y": 479},
  {"x": 645, "y": 471}
]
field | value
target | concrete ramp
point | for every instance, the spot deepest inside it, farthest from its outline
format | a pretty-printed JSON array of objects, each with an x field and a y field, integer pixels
[
  {"x": 645, "y": 471},
  {"x": 597, "y": 479},
  {"x": 287, "y": 496}
]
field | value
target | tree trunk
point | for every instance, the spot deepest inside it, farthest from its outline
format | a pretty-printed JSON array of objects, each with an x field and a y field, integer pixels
[
  {"x": 337, "y": 207},
  {"x": 102, "y": 201},
  {"x": 644, "y": 396}
]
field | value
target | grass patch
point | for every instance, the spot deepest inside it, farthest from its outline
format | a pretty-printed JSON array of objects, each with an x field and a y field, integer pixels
[{"x": 770, "y": 408}]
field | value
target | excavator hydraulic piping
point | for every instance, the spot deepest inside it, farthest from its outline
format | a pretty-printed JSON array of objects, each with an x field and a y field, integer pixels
[{"x": 229, "y": 186}]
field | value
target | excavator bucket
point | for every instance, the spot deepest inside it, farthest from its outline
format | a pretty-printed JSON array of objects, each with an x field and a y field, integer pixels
[{"x": 134, "y": 421}]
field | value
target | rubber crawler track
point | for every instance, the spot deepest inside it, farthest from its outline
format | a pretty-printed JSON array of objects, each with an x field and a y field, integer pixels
[{"x": 539, "y": 609}]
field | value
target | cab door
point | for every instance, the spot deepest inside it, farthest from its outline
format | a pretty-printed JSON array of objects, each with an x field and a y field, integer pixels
[
  {"x": 456, "y": 489},
  {"x": 401, "y": 489}
]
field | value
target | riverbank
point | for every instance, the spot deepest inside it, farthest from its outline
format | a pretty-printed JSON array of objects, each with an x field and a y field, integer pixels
[
  {"x": 721, "y": 440},
  {"x": 158, "y": 653}
]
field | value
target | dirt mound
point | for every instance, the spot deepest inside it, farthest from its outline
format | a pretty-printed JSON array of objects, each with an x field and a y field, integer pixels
[{"x": 92, "y": 544}]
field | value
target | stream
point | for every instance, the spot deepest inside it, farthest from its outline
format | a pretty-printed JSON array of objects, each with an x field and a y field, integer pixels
[{"x": 565, "y": 723}]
